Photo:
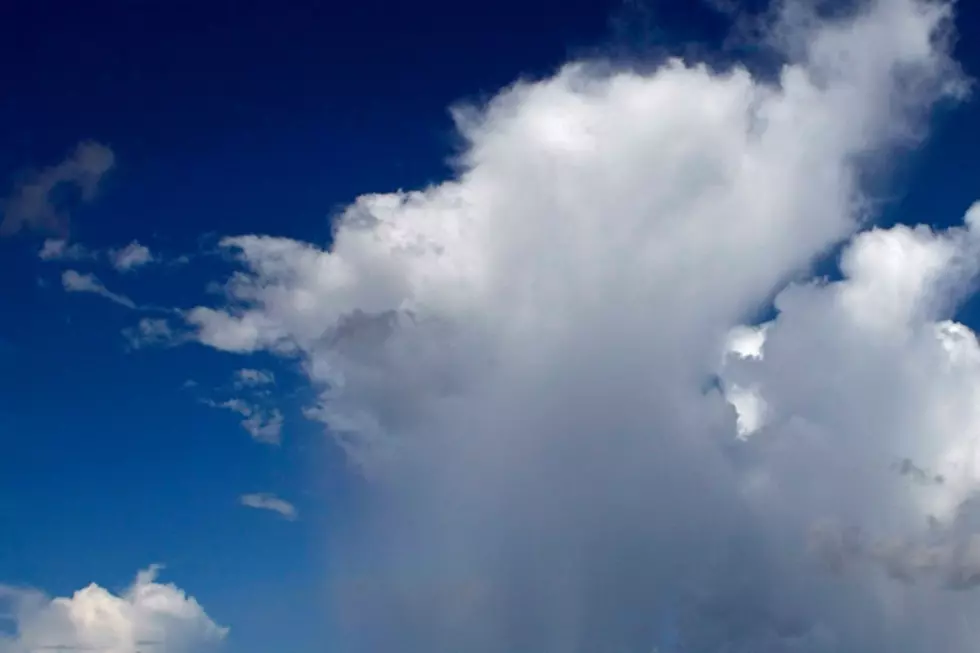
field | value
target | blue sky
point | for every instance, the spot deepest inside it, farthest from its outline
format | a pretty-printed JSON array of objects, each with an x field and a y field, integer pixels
[{"x": 229, "y": 119}]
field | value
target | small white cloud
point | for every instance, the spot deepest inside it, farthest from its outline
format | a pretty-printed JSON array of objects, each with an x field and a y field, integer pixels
[
  {"x": 263, "y": 425},
  {"x": 30, "y": 206},
  {"x": 147, "y": 616},
  {"x": 55, "y": 249},
  {"x": 123, "y": 259},
  {"x": 267, "y": 501},
  {"x": 250, "y": 378},
  {"x": 234, "y": 405},
  {"x": 150, "y": 331},
  {"x": 130, "y": 257},
  {"x": 77, "y": 282},
  {"x": 227, "y": 332}
]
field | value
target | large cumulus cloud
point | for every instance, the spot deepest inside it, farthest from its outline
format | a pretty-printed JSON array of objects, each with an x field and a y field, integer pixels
[
  {"x": 574, "y": 444},
  {"x": 148, "y": 616}
]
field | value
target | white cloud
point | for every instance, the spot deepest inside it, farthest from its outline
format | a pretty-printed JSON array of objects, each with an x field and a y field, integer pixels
[
  {"x": 56, "y": 249},
  {"x": 263, "y": 425},
  {"x": 150, "y": 331},
  {"x": 266, "y": 501},
  {"x": 30, "y": 205},
  {"x": 222, "y": 331},
  {"x": 747, "y": 341},
  {"x": 887, "y": 374},
  {"x": 130, "y": 257},
  {"x": 123, "y": 259},
  {"x": 147, "y": 616},
  {"x": 520, "y": 358},
  {"x": 74, "y": 281},
  {"x": 247, "y": 377}
]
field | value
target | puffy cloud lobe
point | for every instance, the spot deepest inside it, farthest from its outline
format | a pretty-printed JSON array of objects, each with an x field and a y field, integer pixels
[
  {"x": 148, "y": 616},
  {"x": 890, "y": 384},
  {"x": 222, "y": 331},
  {"x": 873, "y": 448},
  {"x": 31, "y": 205},
  {"x": 520, "y": 358}
]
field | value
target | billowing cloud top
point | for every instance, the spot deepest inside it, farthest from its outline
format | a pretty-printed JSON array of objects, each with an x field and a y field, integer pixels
[
  {"x": 149, "y": 616},
  {"x": 574, "y": 443}
]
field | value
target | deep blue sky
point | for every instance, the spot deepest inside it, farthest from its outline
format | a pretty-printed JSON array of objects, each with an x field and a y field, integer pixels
[{"x": 240, "y": 117}]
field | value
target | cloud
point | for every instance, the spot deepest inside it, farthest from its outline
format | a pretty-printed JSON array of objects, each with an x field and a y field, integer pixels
[
  {"x": 266, "y": 501},
  {"x": 149, "y": 332},
  {"x": 263, "y": 425},
  {"x": 32, "y": 206},
  {"x": 122, "y": 259},
  {"x": 77, "y": 282},
  {"x": 247, "y": 377},
  {"x": 147, "y": 616},
  {"x": 130, "y": 257},
  {"x": 535, "y": 364},
  {"x": 226, "y": 332},
  {"x": 56, "y": 249}
]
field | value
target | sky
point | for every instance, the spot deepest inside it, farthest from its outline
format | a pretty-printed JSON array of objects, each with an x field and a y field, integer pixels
[{"x": 563, "y": 327}]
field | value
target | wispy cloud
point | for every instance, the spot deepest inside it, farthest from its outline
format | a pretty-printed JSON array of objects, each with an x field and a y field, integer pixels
[
  {"x": 268, "y": 501},
  {"x": 245, "y": 378},
  {"x": 122, "y": 259},
  {"x": 74, "y": 281},
  {"x": 31, "y": 205},
  {"x": 263, "y": 425},
  {"x": 150, "y": 331},
  {"x": 59, "y": 249}
]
